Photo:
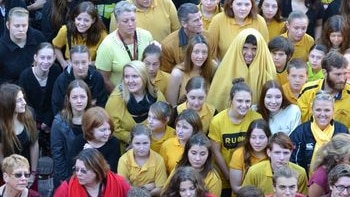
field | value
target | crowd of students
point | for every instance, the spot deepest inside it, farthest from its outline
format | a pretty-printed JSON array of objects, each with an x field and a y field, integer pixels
[{"x": 207, "y": 98}]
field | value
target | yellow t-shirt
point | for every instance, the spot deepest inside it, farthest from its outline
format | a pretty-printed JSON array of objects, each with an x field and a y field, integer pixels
[
  {"x": 206, "y": 21},
  {"x": 61, "y": 40},
  {"x": 171, "y": 151},
  {"x": 302, "y": 48},
  {"x": 153, "y": 171},
  {"x": 260, "y": 176},
  {"x": 237, "y": 160},
  {"x": 160, "y": 19},
  {"x": 229, "y": 135},
  {"x": 156, "y": 144},
  {"x": 161, "y": 81},
  {"x": 276, "y": 28},
  {"x": 282, "y": 77}
]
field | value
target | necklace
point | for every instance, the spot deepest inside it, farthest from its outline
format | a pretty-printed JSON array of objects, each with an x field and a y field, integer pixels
[{"x": 136, "y": 49}]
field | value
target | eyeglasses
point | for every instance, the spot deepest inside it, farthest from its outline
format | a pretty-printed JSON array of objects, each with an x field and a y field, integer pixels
[
  {"x": 82, "y": 170},
  {"x": 20, "y": 175},
  {"x": 341, "y": 188}
]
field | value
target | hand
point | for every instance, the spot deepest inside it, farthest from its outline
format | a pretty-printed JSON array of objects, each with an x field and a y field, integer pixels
[{"x": 45, "y": 128}]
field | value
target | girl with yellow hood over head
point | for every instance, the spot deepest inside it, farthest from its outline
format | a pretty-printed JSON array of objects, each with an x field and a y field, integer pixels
[{"x": 248, "y": 57}]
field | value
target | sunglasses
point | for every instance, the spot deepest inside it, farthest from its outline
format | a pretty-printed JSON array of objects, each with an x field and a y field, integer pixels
[
  {"x": 20, "y": 175},
  {"x": 83, "y": 171}
]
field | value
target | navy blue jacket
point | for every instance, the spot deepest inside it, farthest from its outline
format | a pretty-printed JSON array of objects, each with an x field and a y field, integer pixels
[{"x": 304, "y": 143}]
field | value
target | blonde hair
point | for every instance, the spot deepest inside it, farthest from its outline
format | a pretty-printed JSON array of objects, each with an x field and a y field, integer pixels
[
  {"x": 141, "y": 70},
  {"x": 14, "y": 161},
  {"x": 17, "y": 11},
  {"x": 332, "y": 153}
]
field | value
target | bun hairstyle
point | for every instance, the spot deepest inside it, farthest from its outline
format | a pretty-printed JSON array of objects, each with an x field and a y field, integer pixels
[{"x": 239, "y": 84}]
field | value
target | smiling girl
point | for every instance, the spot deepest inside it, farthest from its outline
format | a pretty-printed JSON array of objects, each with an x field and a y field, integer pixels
[
  {"x": 276, "y": 109},
  {"x": 252, "y": 151},
  {"x": 228, "y": 128},
  {"x": 198, "y": 154},
  {"x": 97, "y": 126},
  {"x": 84, "y": 27},
  {"x": 197, "y": 62}
]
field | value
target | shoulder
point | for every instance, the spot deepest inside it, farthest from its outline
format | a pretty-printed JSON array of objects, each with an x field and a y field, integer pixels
[
  {"x": 311, "y": 87},
  {"x": 170, "y": 39},
  {"x": 143, "y": 33},
  {"x": 300, "y": 170},
  {"x": 340, "y": 127}
]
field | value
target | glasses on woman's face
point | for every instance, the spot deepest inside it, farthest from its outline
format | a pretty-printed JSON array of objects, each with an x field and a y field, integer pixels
[
  {"x": 20, "y": 175},
  {"x": 341, "y": 188},
  {"x": 82, "y": 170}
]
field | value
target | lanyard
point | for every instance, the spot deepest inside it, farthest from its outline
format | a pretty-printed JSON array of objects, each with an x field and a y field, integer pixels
[{"x": 136, "y": 50}]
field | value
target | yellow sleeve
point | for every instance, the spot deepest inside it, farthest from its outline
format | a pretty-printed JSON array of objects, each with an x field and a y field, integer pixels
[
  {"x": 237, "y": 159},
  {"x": 116, "y": 108},
  {"x": 304, "y": 105},
  {"x": 302, "y": 182},
  {"x": 61, "y": 38},
  {"x": 161, "y": 175},
  {"x": 123, "y": 166},
  {"x": 175, "y": 25},
  {"x": 213, "y": 183},
  {"x": 214, "y": 131},
  {"x": 214, "y": 29}
]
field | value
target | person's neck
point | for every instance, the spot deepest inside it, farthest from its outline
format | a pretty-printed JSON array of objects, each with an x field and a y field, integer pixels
[
  {"x": 280, "y": 68},
  {"x": 40, "y": 73},
  {"x": 239, "y": 21},
  {"x": 10, "y": 192},
  {"x": 207, "y": 13},
  {"x": 95, "y": 144},
  {"x": 332, "y": 91},
  {"x": 268, "y": 20},
  {"x": 127, "y": 38},
  {"x": 159, "y": 133},
  {"x": 316, "y": 70},
  {"x": 77, "y": 117},
  {"x": 182, "y": 142},
  {"x": 139, "y": 95},
  {"x": 235, "y": 118},
  {"x": 93, "y": 188},
  {"x": 189, "y": 34},
  {"x": 260, "y": 154},
  {"x": 19, "y": 42},
  {"x": 139, "y": 6},
  {"x": 196, "y": 70}
]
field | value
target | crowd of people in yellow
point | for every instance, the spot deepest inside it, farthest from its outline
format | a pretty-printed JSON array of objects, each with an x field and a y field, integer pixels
[{"x": 176, "y": 99}]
